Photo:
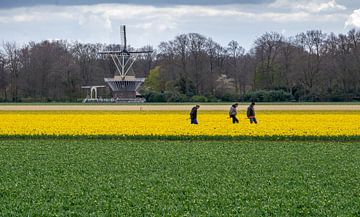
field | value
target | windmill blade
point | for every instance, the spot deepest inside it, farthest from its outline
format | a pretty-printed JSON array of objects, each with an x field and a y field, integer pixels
[
  {"x": 111, "y": 52},
  {"x": 123, "y": 37},
  {"x": 140, "y": 52}
]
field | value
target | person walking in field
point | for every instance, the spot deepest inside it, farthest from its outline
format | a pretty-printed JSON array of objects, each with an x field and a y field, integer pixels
[
  {"x": 251, "y": 113},
  {"x": 233, "y": 113},
  {"x": 193, "y": 114}
]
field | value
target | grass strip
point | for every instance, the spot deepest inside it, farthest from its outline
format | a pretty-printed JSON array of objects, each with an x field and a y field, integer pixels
[{"x": 355, "y": 138}]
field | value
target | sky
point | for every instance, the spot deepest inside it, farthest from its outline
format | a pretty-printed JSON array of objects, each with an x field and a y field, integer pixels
[{"x": 151, "y": 22}]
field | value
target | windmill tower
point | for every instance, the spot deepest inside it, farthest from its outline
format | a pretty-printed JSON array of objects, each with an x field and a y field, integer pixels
[{"x": 123, "y": 85}]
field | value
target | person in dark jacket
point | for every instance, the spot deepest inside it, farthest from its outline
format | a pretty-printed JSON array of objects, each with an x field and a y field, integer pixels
[
  {"x": 251, "y": 113},
  {"x": 193, "y": 114},
  {"x": 233, "y": 113}
]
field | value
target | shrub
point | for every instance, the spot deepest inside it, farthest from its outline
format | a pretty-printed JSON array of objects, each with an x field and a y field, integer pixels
[
  {"x": 267, "y": 96},
  {"x": 173, "y": 96},
  {"x": 198, "y": 98}
]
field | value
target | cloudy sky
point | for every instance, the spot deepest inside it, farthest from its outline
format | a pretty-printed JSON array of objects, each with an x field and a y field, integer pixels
[{"x": 150, "y": 22}]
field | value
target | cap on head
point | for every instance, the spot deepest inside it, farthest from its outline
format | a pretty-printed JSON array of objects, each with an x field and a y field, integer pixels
[
  {"x": 197, "y": 106},
  {"x": 252, "y": 103}
]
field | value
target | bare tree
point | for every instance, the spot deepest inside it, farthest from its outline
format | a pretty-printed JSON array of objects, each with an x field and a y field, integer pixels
[
  {"x": 145, "y": 62},
  {"x": 267, "y": 49},
  {"x": 197, "y": 49},
  {"x": 312, "y": 43},
  {"x": 236, "y": 53},
  {"x": 214, "y": 70},
  {"x": 13, "y": 66},
  {"x": 3, "y": 78},
  {"x": 86, "y": 57},
  {"x": 287, "y": 74}
]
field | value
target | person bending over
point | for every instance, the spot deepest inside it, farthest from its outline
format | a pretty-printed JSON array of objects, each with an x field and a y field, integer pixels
[
  {"x": 193, "y": 114},
  {"x": 233, "y": 113}
]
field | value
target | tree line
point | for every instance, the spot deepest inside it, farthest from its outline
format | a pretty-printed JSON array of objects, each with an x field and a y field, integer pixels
[{"x": 310, "y": 66}]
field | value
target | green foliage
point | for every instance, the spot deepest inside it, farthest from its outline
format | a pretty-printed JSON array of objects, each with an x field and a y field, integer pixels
[
  {"x": 230, "y": 97},
  {"x": 259, "y": 76},
  {"x": 199, "y": 98},
  {"x": 157, "y": 90},
  {"x": 268, "y": 78},
  {"x": 212, "y": 98},
  {"x": 174, "y": 96},
  {"x": 178, "y": 178},
  {"x": 186, "y": 86},
  {"x": 267, "y": 96},
  {"x": 154, "y": 81},
  {"x": 166, "y": 96},
  {"x": 153, "y": 96}
]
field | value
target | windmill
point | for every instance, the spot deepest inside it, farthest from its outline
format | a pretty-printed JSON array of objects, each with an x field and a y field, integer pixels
[{"x": 123, "y": 85}]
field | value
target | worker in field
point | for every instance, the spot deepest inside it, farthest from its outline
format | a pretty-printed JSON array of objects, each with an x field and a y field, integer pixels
[
  {"x": 251, "y": 113},
  {"x": 233, "y": 113},
  {"x": 193, "y": 114}
]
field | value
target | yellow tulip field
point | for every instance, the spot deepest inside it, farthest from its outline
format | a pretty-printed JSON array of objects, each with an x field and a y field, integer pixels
[{"x": 177, "y": 124}]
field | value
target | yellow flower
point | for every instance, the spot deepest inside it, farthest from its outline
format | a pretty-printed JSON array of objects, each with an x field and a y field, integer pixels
[{"x": 160, "y": 123}]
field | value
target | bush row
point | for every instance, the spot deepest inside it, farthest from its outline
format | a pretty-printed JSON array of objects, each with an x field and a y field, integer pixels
[{"x": 258, "y": 96}]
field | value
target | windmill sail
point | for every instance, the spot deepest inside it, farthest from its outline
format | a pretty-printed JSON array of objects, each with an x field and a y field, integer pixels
[
  {"x": 123, "y": 38},
  {"x": 123, "y": 46}
]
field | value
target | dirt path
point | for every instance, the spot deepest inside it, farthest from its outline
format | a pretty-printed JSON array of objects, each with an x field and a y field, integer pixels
[{"x": 171, "y": 107}]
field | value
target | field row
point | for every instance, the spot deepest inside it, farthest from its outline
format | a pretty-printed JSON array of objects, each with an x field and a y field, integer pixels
[
  {"x": 178, "y": 178},
  {"x": 176, "y": 124}
]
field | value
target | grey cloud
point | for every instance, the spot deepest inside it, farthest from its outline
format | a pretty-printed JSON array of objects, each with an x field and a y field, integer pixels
[
  {"x": 27, "y": 3},
  {"x": 351, "y": 4}
]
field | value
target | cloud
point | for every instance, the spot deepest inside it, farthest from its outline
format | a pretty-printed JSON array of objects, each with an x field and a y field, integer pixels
[
  {"x": 148, "y": 24},
  {"x": 27, "y": 3},
  {"x": 36, "y": 14},
  {"x": 160, "y": 18},
  {"x": 316, "y": 7},
  {"x": 353, "y": 20},
  {"x": 310, "y": 6}
]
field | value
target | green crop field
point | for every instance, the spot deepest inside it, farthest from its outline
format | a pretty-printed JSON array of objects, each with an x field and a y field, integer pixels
[{"x": 178, "y": 178}]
